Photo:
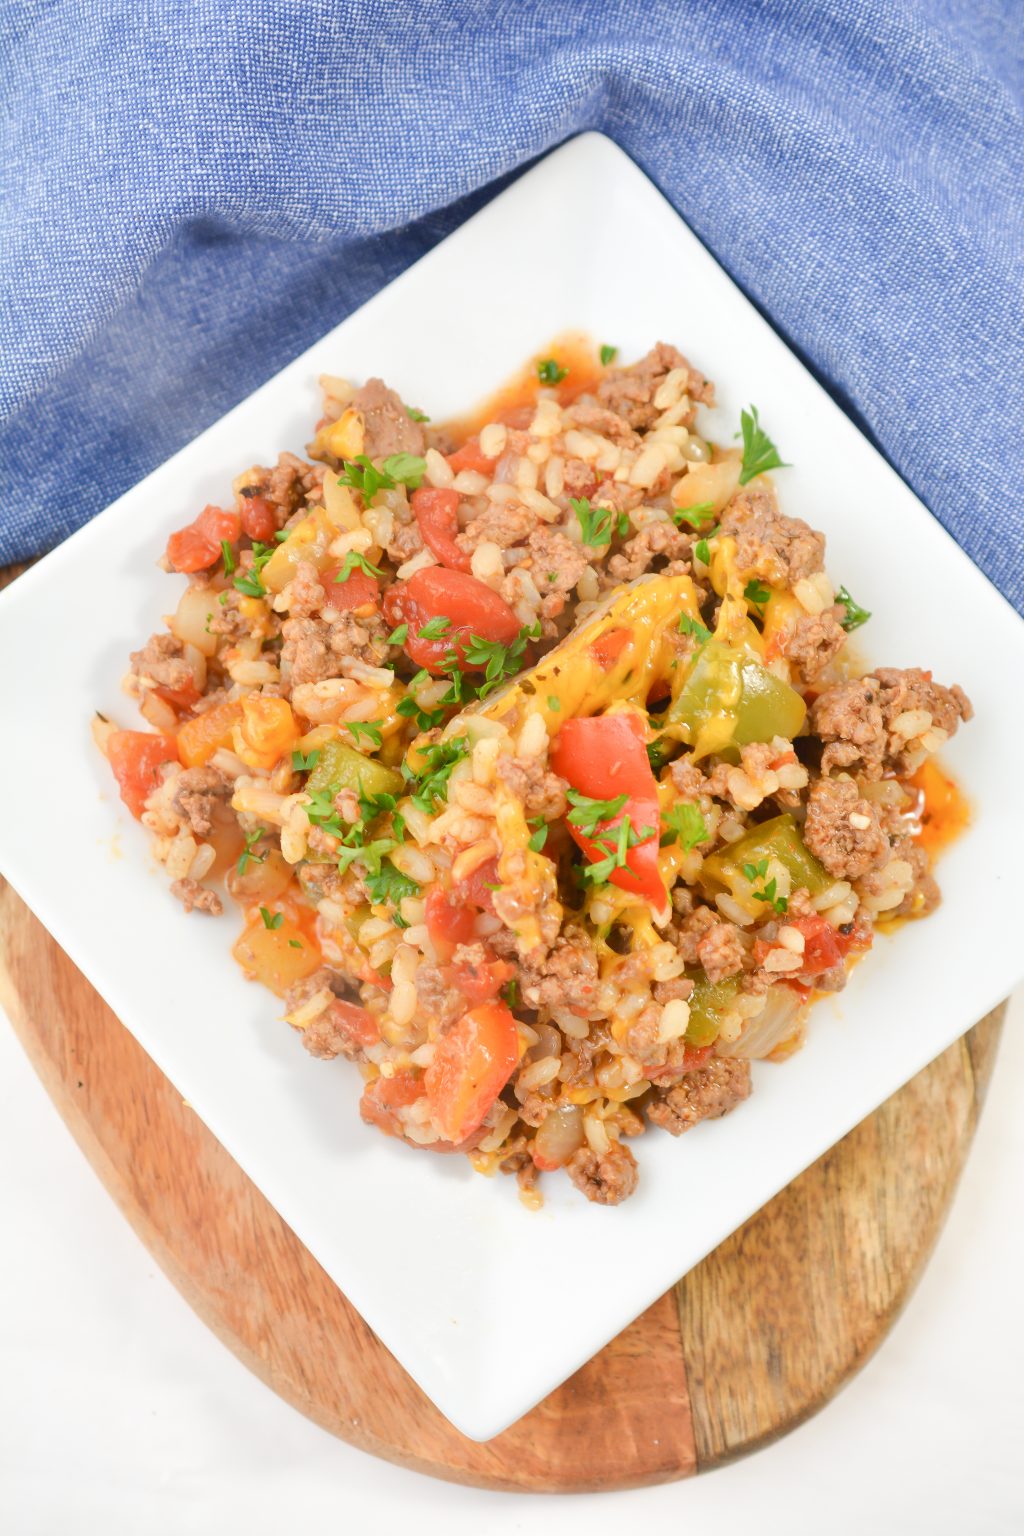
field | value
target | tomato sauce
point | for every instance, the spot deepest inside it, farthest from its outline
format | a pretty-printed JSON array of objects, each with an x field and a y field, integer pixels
[{"x": 573, "y": 351}]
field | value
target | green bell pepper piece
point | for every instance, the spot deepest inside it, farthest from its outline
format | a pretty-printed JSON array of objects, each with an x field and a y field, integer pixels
[
  {"x": 775, "y": 839},
  {"x": 708, "y": 1001},
  {"x": 730, "y": 699},
  {"x": 346, "y": 768}
]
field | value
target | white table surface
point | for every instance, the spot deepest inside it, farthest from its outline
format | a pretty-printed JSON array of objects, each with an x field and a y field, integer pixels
[{"x": 120, "y": 1412}]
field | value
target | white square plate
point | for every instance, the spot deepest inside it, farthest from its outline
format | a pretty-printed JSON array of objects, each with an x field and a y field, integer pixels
[{"x": 488, "y": 1306}]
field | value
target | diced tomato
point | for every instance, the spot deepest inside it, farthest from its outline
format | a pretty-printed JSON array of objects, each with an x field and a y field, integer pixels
[
  {"x": 386, "y": 1094},
  {"x": 198, "y": 546},
  {"x": 358, "y": 590},
  {"x": 436, "y": 511},
  {"x": 450, "y": 921},
  {"x": 479, "y": 983},
  {"x": 470, "y": 607},
  {"x": 473, "y": 1061},
  {"x": 179, "y": 698},
  {"x": 478, "y": 888},
  {"x": 356, "y": 1024},
  {"x": 258, "y": 520},
  {"x": 603, "y": 757},
  {"x": 607, "y": 650},
  {"x": 135, "y": 757},
  {"x": 200, "y": 738},
  {"x": 694, "y": 1057},
  {"x": 821, "y": 951},
  {"x": 471, "y": 456}
]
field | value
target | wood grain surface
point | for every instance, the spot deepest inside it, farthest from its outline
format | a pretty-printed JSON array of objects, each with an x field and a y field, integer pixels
[{"x": 749, "y": 1344}]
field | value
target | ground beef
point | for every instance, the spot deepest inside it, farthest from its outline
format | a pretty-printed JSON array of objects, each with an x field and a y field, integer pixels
[
  {"x": 315, "y": 649},
  {"x": 641, "y": 551},
  {"x": 770, "y": 546},
  {"x": 198, "y": 792},
  {"x": 558, "y": 563},
  {"x": 815, "y": 640},
  {"x": 846, "y": 849},
  {"x": 405, "y": 541},
  {"x": 848, "y": 718},
  {"x": 196, "y": 898},
  {"x": 288, "y": 487},
  {"x": 306, "y": 594},
  {"x": 541, "y": 792},
  {"x": 618, "y": 495},
  {"x": 389, "y": 427},
  {"x": 504, "y": 523},
  {"x": 721, "y": 952},
  {"x": 854, "y": 719},
  {"x": 437, "y": 996},
  {"x": 606, "y": 423},
  {"x": 161, "y": 661},
  {"x": 695, "y": 925},
  {"x": 228, "y": 618},
  {"x": 608, "y": 1179},
  {"x": 566, "y": 977},
  {"x": 688, "y": 778},
  {"x": 706, "y": 1094},
  {"x": 629, "y": 392}
]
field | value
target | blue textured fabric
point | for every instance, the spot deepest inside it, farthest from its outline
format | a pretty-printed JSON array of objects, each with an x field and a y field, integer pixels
[{"x": 194, "y": 190}]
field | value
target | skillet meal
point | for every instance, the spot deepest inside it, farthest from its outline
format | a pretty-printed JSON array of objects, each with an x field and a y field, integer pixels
[{"x": 536, "y": 759}]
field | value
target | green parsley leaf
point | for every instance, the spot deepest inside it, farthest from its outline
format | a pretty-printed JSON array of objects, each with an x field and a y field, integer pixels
[
  {"x": 499, "y": 661},
  {"x": 432, "y": 783},
  {"x": 251, "y": 581},
  {"x": 595, "y": 523},
  {"x": 415, "y": 415},
  {"x": 759, "y": 452},
  {"x": 435, "y": 629},
  {"x": 658, "y": 753},
  {"x": 757, "y": 593},
  {"x": 510, "y": 991},
  {"x": 406, "y": 469},
  {"x": 608, "y": 355},
  {"x": 282, "y": 535},
  {"x": 387, "y": 885},
  {"x": 686, "y": 825},
  {"x": 549, "y": 371},
  {"x": 539, "y": 838},
  {"x": 295, "y": 943},
  {"x": 587, "y": 812},
  {"x": 271, "y": 919},
  {"x": 363, "y": 476},
  {"x": 398, "y": 635},
  {"x": 694, "y": 627},
  {"x": 248, "y": 857},
  {"x": 755, "y": 872},
  {"x": 702, "y": 548},
  {"x": 696, "y": 516},
  {"x": 855, "y": 615},
  {"x": 353, "y": 561},
  {"x": 228, "y": 555},
  {"x": 368, "y": 728},
  {"x": 554, "y": 703},
  {"x": 302, "y": 764}
]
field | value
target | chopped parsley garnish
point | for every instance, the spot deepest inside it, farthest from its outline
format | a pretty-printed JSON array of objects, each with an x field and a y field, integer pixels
[
  {"x": 398, "y": 635},
  {"x": 554, "y": 703},
  {"x": 405, "y": 469},
  {"x": 281, "y": 537},
  {"x": 550, "y": 372},
  {"x": 251, "y": 581},
  {"x": 586, "y": 812},
  {"x": 415, "y": 415},
  {"x": 694, "y": 627},
  {"x": 271, "y": 919},
  {"x": 364, "y": 476},
  {"x": 425, "y": 719},
  {"x": 702, "y": 549},
  {"x": 499, "y": 661},
  {"x": 229, "y": 557},
  {"x": 617, "y": 850},
  {"x": 622, "y": 525},
  {"x": 595, "y": 522},
  {"x": 855, "y": 615},
  {"x": 757, "y": 593},
  {"x": 302, "y": 763},
  {"x": 510, "y": 991},
  {"x": 322, "y": 811},
  {"x": 756, "y": 872},
  {"x": 248, "y": 856},
  {"x": 432, "y": 783},
  {"x": 355, "y": 561},
  {"x": 388, "y": 885},
  {"x": 657, "y": 753},
  {"x": 368, "y": 728},
  {"x": 435, "y": 629},
  {"x": 759, "y": 452},
  {"x": 685, "y": 825},
  {"x": 608, "y": 355},
  {"x": 295, "y": 943},
  {"x": 696, "y": 516},
  {"x": 539, "y": 838}
]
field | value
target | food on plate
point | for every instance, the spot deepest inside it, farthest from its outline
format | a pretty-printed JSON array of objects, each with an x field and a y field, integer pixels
[{"x": 536, "y": 758}]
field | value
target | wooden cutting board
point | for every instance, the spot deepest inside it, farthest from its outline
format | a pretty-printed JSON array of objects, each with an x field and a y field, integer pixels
[
  {"x": 745, "y": 1347},
  {"x": 751, "y": 1342}
]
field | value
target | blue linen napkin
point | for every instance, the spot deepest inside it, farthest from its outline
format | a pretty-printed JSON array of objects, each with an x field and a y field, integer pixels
[{"x": 195, "y": 190}]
